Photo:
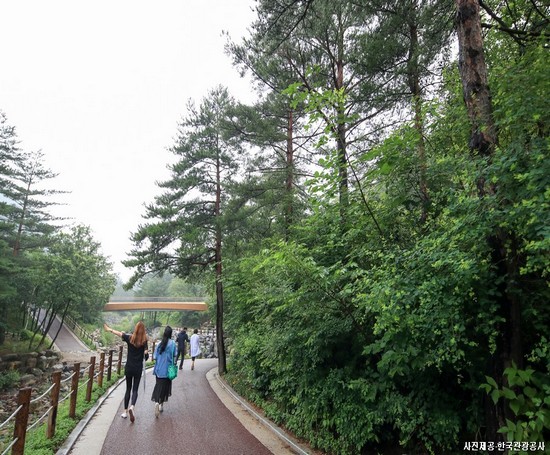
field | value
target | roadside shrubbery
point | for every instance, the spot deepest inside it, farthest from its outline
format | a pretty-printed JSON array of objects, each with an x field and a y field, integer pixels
[{"x": 8, "y": 379}]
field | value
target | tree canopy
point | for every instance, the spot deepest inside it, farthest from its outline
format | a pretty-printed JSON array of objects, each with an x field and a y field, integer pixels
[
  {"x": 385, "y": 224},
  {"x": 44, "y": 266}
]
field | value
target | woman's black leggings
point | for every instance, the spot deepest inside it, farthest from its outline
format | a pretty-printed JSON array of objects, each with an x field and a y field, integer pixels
[{"x": 132, "y": 383}]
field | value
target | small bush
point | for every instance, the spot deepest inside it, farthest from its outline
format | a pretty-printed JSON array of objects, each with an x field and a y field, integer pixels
[
  {"x": 8, "y": 379},
  {"x": 25, "y": 334}
]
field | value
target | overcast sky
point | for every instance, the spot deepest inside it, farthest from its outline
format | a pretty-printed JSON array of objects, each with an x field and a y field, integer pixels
[{"x": 99, "y": 87}]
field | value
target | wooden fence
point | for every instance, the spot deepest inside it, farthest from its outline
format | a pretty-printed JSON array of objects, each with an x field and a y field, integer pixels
[{"x": 20, "y": 416}]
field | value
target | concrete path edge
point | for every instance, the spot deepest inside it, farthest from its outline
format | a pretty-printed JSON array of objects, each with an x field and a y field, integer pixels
[
  {"x": 77, "y": 431},
  {"x": 226, "y": 394}
]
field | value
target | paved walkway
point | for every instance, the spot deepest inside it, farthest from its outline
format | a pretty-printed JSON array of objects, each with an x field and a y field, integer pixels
[
  {"x": 66, "y": 341},
  {"x": 200, "y": 418}
]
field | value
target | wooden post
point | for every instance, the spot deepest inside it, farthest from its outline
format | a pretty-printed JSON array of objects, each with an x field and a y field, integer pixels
[
  {"x": 101, "y": 368},
  {"x": 54, "y": 400},
  {"x": 90, "y": 384},
  {"x": 110, "y": 365},
  {"x": 74, "y": 390},
  {"x": 21, "y": 420},
  {"x": 119, "y": 363}
]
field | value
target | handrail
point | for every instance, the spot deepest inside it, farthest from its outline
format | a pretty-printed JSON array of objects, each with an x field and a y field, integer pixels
[
  {"x": 65, "y": 397},
  {"x": 30, "y": 427},
  {"x": 5, "y": 422},
  {"x": 43, "y": 395},
  {"x": 10, "y": 446},
  {"x": 70, "y": 377},
  {"x": 156, "y": 299}
]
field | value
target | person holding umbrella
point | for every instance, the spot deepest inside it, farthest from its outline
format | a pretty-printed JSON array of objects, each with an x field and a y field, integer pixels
[{"x": 137, "y": 352}]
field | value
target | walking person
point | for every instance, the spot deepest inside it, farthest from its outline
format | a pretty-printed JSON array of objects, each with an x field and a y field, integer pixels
[
  {"x": 182, "y": 338},
  {"x": 194, "y": 347},
  {"x": 137, "y": 352},
  {"x": 165, "y": 354}
]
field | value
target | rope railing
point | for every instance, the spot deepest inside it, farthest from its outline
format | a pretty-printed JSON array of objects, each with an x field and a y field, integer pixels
[
  {"x": 64, "y": 398},
  {"x": 92, "y": 374},
  {"x": 10, "y": 446},
  {"x": 5, "y": 422},
  {"x": 34, "y": 400},
  {"x": 40, "y": 419},
  {"x": 67, "y": 379}
]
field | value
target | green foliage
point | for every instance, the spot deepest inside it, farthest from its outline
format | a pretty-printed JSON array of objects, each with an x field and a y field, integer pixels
[
  {"x": 39, "y": 265},
  {"x": 527, "y": 395},
  {"x": 368, "y": 330},
  {"x": 8, "y": 379},
  {"x": 521, "y": 167},
  {"x": 71, "y": 277},
  {"x": 350, "y": 326},
  {"x": 25, "y": 334},
  {"x": 186, "y": 219}
]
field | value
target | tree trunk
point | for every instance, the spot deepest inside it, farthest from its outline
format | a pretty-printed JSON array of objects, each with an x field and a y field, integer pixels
[
  {"x": 289, "y": 175},
  {"x": 220, "y": 343},
  {"x": 483, "y": 139},
  {"x": 473, "y": 74},
  {"x": 50, "y": 315},
  {"x": 4, "y": 316},
  {"x": 61, "y": 324},
  {"x": 416, "y": 92},
  {"x": 341, "y": 137}
]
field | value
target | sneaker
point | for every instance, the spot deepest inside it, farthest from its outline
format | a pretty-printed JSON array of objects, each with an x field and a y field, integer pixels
[
  {"x": 123, "y": 415},
  {"x": 160, "y": 407},
  {"x": 157, "y": 410},
  {"x": 131, "y": 412}
]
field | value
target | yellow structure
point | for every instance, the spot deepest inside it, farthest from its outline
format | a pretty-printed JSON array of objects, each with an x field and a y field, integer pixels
[{"x": 155, "y": 306}]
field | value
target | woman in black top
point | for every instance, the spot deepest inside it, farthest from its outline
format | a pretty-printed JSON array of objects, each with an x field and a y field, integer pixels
[{"x": 137, "y": 351}]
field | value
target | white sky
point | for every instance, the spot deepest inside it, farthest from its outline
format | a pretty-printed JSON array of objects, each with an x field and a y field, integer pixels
[{"x": 100, "y": 87}]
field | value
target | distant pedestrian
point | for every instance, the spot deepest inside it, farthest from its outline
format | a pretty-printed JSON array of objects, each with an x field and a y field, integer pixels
[
  {"x": 182, "y": 339},
  {"x": 194, "y": 347},
  {"x": 137, "y": 352},
  {"x": 165, "y": 354}
]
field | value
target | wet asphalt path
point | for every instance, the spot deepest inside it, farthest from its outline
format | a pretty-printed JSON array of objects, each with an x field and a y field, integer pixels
[{"x": 194, "y": 421}]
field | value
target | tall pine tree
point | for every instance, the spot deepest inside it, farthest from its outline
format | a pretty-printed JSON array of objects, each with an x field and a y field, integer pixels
[{"x": 186, "y": 223}]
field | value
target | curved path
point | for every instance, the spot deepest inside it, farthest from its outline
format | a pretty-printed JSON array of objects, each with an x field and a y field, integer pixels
[
  {"x": 66, "y": 340},
  {"x": 200, "y": 418},
  {"x": 196, "y": 420}
]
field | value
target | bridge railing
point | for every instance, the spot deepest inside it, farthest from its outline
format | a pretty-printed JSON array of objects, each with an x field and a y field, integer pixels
[{"x": 156, "y": 299}]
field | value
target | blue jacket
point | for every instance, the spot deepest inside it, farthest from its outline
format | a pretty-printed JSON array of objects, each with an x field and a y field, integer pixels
[{"x": 163, "y": 360}]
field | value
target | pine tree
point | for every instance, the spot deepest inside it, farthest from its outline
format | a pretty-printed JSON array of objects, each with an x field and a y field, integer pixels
[
  {"x": 10, "y": 157},
  {"x": 185, "y": 231},
  {"x": 30, "y": 203}
]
